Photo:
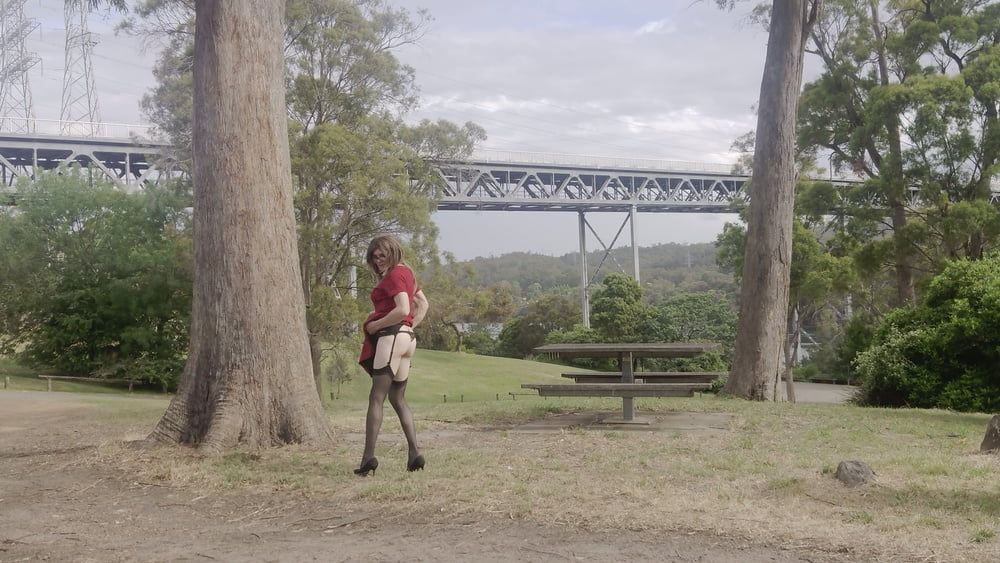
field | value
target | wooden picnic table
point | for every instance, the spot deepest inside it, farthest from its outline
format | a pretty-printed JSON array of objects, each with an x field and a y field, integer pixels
[{"x": 626, "y": 353}]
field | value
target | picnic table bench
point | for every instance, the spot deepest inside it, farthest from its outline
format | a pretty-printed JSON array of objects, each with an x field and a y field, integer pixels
[
  {"x": 645, "y": 376},
  {"x": 616, "y": 389},
  {"x": 49, "y": 379},
  {"x": 623, "y": 384}
]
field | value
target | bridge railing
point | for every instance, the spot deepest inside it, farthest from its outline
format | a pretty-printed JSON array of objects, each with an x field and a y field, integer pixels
[
  {"x": 85, "y": 129},
  {"x": 591, "y": 161}
]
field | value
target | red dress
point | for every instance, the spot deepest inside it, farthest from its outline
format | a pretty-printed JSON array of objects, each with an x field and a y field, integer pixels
[{"x": 397, "y": 280}]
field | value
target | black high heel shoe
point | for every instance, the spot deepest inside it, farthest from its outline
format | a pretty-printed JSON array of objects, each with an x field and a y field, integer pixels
[
  {"x": 367, "y": 467},
  {"x": 415, "y": 463}
]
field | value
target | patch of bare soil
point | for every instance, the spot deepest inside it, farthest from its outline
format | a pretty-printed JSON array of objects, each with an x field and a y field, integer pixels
[{"x": 55, "y": 507}]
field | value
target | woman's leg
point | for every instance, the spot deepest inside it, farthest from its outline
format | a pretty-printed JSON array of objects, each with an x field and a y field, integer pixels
[
  {"x": 397, "y": 398},
  {"x": 398, "y": 401},
  {"x": 373, "y": 422},
  {"x": 381, "y": 382}
]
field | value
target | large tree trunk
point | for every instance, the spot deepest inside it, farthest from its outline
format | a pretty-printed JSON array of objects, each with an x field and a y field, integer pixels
[
  {"x": 316, "y": 354},
  {"x": 982, "y": 190},
  {"x": 767, "y": 259},
  {"x": 458, "y": 336},
  {"x": 892, "y": 174},
  {"x": 248, "y": 378}
]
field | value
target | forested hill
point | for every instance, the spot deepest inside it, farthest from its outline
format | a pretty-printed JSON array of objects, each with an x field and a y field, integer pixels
[{"x": 663, "y": 268}]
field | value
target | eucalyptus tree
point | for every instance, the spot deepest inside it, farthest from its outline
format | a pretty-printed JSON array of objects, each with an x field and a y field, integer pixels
[
  {"x": 908, "y": 100},
  {"x": 247, "y": 379},
  {"x": 840, "y": 113},
  {"x": 358, "y": 168},
  {"x": 954, "y": 128},
  {"x": 818, "y": 279},
  {"x": 764, "y": 293}
]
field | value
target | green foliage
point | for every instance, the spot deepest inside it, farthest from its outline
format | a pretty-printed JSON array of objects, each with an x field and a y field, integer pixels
[
  {"x": 581, "y": 334},
  {"x": 539, "y": 321},
  {"x": 666, "y": 269},
  {"x": 479, "y": 341},
  {"x": 359, "y": 170},
  {"x": 617, "y": 311},
  {"x": 942, "y": 353},
  {"x": 459, "y": 311},
  {"x": 694, "y": 317},
  {"x": 338, "y": 210},
  {"x": 96, "y": 281},
  {"x": 909, "y": 104},
  {"x": 857, "y": 337}
]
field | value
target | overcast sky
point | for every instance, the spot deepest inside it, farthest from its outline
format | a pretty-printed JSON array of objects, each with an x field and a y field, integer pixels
[{"x": 662, "y": 79}]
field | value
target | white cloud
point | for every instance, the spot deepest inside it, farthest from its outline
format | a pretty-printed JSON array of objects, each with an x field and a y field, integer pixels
[
  {"x": 658, "y": 27},
  {"x": 636, "y": 79}
]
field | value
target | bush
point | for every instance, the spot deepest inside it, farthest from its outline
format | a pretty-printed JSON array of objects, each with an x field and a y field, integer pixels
[
  {"x": 522, "y": 334},
  {"x": 96, "y": 281},
  {"x": 857, "y": 338},
  {"x": 479, "y": 341},
  {"x": 942, "y": 353}
]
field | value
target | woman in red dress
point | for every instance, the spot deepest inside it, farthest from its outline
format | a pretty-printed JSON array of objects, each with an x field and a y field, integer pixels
[{"x": 399, "y": 305}]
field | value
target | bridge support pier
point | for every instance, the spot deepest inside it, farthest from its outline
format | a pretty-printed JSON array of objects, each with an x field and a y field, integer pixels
[
  {"x": 635, "y": 249},
  {"x": 585, "y": 278}
]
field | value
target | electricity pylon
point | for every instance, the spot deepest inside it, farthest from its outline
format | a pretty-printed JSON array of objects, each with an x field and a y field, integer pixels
[
  {"x": 79, "y": 115},
  {"x": 16, "y": 111}
]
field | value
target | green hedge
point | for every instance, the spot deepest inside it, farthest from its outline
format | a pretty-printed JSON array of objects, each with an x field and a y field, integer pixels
[{"x": 944, "y": 352}]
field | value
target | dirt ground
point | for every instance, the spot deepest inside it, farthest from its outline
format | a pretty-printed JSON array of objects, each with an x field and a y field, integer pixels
[{"x": 56, "y": 506}]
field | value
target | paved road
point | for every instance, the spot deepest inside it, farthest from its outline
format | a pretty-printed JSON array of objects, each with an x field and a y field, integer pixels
[{"x": 821, "y": 392}]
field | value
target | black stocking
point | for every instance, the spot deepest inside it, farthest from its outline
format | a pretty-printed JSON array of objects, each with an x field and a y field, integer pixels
[
  {"x": 373, "y": 422},
  {"x": 398, "y": 401}
]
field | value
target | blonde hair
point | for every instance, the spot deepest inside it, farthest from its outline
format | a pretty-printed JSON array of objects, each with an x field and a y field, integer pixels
[{"x": 391, "y": 247}]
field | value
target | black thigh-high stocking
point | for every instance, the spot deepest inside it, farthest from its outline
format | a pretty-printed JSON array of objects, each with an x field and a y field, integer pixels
[
  {"x": 373, "y": 422},
  {"x": 397, "y": 398}
]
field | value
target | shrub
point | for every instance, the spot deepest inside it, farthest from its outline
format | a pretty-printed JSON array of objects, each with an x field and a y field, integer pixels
[
  {"x": 479, "y": 341},
  {"x": 943, "y": 352},
  {"x": 96, "y": 281}
]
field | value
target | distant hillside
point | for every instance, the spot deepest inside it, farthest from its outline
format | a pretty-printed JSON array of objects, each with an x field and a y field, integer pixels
[{"x": 664, "y": 269}]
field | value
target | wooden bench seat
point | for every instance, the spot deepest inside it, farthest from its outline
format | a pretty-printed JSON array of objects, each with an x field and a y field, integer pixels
[
  {"x": 616, "y": 389},
  {"x": 647, "y": 376}
]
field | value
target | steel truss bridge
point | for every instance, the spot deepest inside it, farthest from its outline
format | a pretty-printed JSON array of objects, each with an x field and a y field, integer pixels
[
  {"x": 493, "y": 181},
  {"x": 490, "y": 181},
  {"x": 129, "y": 162},
  {"x": 512, "y": 181}
]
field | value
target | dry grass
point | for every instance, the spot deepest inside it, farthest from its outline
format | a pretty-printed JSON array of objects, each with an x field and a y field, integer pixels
[{"x": 767, "y": 479}]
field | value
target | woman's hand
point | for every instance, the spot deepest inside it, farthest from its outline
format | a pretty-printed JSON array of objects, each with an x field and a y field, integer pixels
[{"x": 395, "y": 316}]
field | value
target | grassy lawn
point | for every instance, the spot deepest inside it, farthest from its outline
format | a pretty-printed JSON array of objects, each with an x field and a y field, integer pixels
[
  {"x": 767, "y": 476},
  {"x": 22, "y": 378},
  {"x": 460, "y": 376}
]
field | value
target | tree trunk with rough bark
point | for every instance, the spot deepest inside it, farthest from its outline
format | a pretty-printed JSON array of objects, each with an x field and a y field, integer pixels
[
  {"x": 792, "y": 352},
  {"x": 248, "y": 378},
  {"x": 892, "y": 174},
  {"x": 316, "y": 353},
  {"x": 458, "y": 337},
  {"x": 761, "y": 332}
]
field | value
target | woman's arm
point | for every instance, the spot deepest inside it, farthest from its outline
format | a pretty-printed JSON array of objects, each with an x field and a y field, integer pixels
[
  {"x": 395, "y": 316},
  {"x": 420, "y": 306}
]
